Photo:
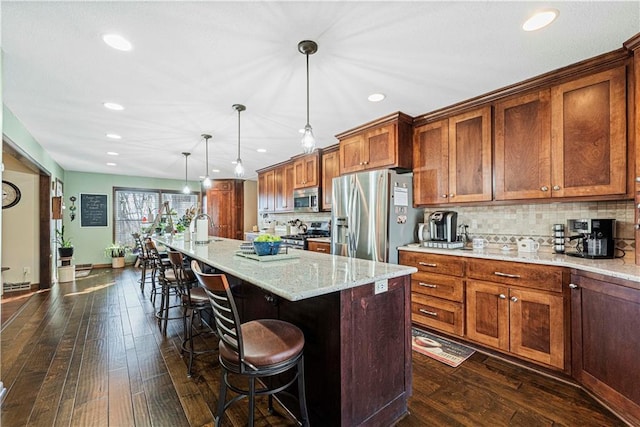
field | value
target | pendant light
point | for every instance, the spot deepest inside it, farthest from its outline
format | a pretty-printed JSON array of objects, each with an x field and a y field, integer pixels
[
  {"x": 308, "y": 47},
  {"x": 239, "y": 170},
  {"x": 186, "y": 189},
  {"x": 206, "y": 182}
]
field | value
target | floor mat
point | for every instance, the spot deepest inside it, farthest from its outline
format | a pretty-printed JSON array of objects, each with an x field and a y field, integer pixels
[
  {"x": 82, "y": 273},
  {"x": 438, "y": 348}
]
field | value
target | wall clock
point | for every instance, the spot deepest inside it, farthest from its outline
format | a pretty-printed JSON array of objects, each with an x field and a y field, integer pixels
[{"x": 10, "y": 194}]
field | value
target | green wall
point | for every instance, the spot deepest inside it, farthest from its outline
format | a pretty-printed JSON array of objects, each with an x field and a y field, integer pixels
[{"x": 89, "y": 242}]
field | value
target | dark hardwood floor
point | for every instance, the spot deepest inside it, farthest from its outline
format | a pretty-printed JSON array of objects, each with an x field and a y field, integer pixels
[{"x": 90, "y": 353}]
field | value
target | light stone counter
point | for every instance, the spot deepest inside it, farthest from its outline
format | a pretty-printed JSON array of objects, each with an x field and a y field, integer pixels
[
  {"x": 310, "y": 274},
  {"x": 319, "y": 239},
  {"x": 623, "y": 268}
]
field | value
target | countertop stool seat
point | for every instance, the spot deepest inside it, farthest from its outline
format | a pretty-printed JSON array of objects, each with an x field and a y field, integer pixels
[
  {"x": 143, "y": 261},
  {"x": 256, "y": 350},
  {"x": 194, "y": 300},
  {"x": 169, "y": 286}
]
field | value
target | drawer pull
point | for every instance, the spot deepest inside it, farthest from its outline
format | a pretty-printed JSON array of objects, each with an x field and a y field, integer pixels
[
  {"x": 427, "y": 285},
  {"x": 502, "y": 296},
  {"x": 430, "y": 313},
  {"x": 514, "y": 299},
  {"x": 427, "y": 264},
  {"x": 512, "y": 276},
  {"x": 573, "y": 286}
]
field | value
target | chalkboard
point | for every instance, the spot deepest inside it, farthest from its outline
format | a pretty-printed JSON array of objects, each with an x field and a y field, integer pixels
[{"x": 93, "y": 210}]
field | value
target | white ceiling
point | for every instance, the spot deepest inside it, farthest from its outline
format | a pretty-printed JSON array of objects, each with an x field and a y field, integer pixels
[{"x": 192, "y": 60}]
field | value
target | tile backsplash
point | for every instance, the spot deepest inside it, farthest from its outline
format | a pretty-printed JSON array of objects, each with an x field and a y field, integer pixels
[{"x": 509, "y": 223}]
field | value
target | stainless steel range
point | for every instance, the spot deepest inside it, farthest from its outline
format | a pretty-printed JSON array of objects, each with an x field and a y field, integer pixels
[{"x": 315, "y": 229}]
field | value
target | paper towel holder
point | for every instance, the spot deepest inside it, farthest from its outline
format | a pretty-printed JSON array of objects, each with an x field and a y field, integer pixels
[{"x": 199, "y": 239}]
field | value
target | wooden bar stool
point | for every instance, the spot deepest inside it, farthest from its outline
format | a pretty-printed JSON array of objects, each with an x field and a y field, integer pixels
[
  {"x": 144, "y": 261},
  {"x": 194, "y": 301},
  {"x": 169, "y": 286},
  {"x": 257, "y": 350}
]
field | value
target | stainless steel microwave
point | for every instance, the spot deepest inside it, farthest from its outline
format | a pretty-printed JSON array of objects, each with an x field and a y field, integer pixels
[{"x": 306, "y": 199}]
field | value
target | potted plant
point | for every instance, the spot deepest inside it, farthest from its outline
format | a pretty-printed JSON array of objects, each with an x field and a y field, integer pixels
[
  {"x": 116, "y": 252},
  {"x": 65, "y": 247}
]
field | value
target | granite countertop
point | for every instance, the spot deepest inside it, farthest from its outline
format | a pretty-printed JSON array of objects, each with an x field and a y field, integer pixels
[
  {"x": 319, "y": 239},
  {"x": 307, "y": 275},
  {"x": 623, "y": 268}
]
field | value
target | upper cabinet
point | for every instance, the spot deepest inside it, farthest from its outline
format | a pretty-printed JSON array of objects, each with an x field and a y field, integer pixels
[
  {"x": 225, "y": 206},
  {"x": 283, "y": 185},
  {"x": 588, "y": 135},
  {"x": 266, "y": 191},
  {"x": 452, "y": 159},
  {"x": 306, "y": 170},
  {"x": 523, "y": 147},
  {"x": 330, "y": 169},
  {"x": 566, "y": 141},
  {"x": 384, "y": 143}
]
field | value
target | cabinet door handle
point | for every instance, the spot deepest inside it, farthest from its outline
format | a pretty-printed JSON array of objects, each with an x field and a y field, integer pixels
[
  {"x": 451, "y": 195},
  {"x": 573, "y": 286},
  {"x": 444, "y": 196},
  {"x": 427, "y": 285},
  {"x": 544, "y": 188},
  {"x": 427, "y": 264},
  {"x": 430, "y": 313},
  {"x": 556, "y": 187},
  {"x": 502, "y": 296},
  {"x": 512, "y": 276},
  {"x": 514, "y": 299}
]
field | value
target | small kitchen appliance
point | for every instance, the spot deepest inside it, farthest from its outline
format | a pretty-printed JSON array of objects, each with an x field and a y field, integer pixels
[
  {"x": 595, "y": 237},
  {"x": 423, "y": 232},
  {"x": 306, "y": 199},
  {"x": 443, "y": 225}
]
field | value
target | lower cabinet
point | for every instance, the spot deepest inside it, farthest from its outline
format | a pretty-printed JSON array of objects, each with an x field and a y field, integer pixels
[
  {"x": 323, "y": 247},
  {"x": 519, "y": 308},
  {"x": 523, "y": 322},
  {"x": 606, "y": 342}
]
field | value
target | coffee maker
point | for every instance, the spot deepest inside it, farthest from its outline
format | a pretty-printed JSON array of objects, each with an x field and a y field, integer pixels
[
  {"x": 443, "y": 225},
  {"x": 595, "y": 237}
]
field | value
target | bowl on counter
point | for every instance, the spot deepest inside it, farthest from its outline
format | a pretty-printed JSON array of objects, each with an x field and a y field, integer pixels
[{"x": 266, "y": 248}]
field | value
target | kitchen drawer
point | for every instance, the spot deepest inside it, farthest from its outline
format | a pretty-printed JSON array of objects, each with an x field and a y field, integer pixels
[
  {"x": 441, "y": 264},
  {"x": 437, "y": 313},
  {"x": 438, "y": 285},
  {"x": 533, "y": 276},
  {"x": 320, "y": 247}
]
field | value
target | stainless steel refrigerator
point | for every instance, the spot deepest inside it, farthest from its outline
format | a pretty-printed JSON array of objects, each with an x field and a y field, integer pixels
[{"x": 372, "y": 214}]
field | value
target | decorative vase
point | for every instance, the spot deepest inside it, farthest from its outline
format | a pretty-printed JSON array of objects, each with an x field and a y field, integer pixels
[
  {"x": 187, "y": 236},
  {"x": 117, "y": 262}
]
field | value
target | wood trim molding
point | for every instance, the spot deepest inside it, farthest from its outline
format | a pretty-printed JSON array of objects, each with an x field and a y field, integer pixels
[{"x": 397, "y": 116}]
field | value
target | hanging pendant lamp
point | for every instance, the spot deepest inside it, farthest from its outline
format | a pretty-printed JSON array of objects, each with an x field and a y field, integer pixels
[
  {"x": 186, "y": 189},
  {"x": 239, "y": 170},
  {"x": 308, "y": 47},
  {"x": 206, "y": 182}
]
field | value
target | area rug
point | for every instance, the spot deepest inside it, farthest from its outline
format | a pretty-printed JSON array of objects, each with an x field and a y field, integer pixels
[
  {"x": 82, "y": 273},
  {"x": 440, "y": 349}
]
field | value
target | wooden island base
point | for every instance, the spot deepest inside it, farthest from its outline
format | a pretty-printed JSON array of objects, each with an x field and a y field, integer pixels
[{"x": 357, "y": 351}]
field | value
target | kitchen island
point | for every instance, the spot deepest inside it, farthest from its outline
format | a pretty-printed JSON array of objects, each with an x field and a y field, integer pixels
[{"x": 355, "y": 315}]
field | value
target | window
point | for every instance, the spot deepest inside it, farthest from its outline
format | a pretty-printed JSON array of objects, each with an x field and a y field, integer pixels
[{"x": 135, "y": 210}]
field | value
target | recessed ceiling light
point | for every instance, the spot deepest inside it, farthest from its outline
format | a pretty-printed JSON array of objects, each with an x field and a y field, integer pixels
[
  {"x": 233, "y": 162},
  {"x": 540, "y": 19},
  {"x": 113, "y": 136},
  {"x": 215, "y": 170},
  {"x": 376, "y": 97},
  {"x": 112, "y": 153},
  {"x": 118, "y": 42},
  {"x": 261, "y": 150},
  {"x": 301, "y": 130},
  {"x": 113, "y": 106},
  {"x": 111, "y": 164}
]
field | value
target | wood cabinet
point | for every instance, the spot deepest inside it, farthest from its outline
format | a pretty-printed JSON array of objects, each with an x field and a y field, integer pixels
[
  {"x": 588, "y": 135},
  {"x": 437, "y": 291},
  {"x": 283, "y": 187},
  {"x": 330, "y": 170},
  {"x": 518, "y": 308},
  {"x": 306, "y": 171},
  {"x": 523, "y": 147},
  {"x": 225, "y": 206},
  {"x": 452, "y": 159},
  {"x": 606, "y": 341},
  {"x": 566, "y": 141},
  {"x": 322, "y": 247},
  {"x": 266, "y": 191},
  {"x": 385, "y": 143}
]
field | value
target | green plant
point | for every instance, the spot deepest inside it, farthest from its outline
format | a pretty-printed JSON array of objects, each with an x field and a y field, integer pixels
[
  {"x": 180, "y": 228},
  {"x": 116, "y": 250},
  {"x": 61, "y": 240},
  {"x": 267, "y": 238}
]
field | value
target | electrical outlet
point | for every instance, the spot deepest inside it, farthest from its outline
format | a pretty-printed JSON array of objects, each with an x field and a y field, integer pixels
[
  {"x": 26, "y": 271},
  {"x": 381, "y": 286}
]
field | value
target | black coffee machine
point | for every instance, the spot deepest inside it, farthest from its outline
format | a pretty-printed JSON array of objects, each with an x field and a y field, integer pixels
[
  {"x": 442, "y": 226},
  {"x": 595, "y": 235}
]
